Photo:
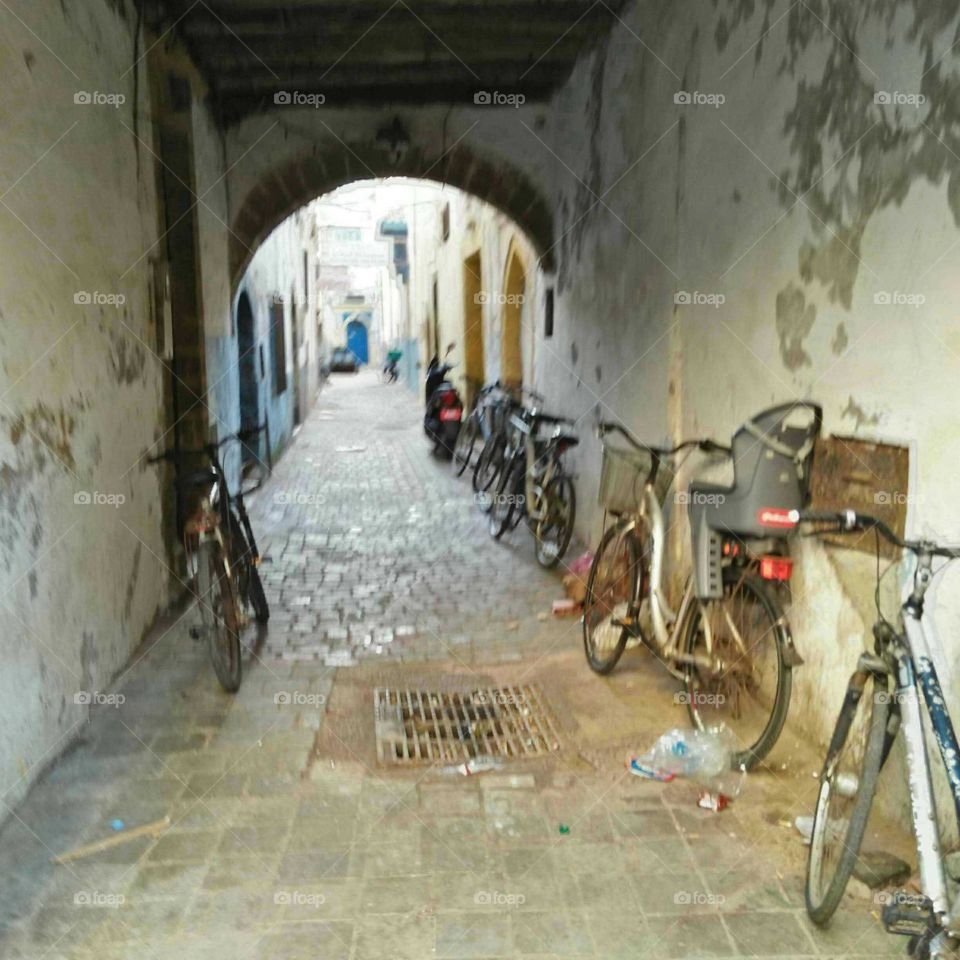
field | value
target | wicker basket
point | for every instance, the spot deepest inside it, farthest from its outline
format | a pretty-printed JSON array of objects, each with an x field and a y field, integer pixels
[{"x": 624, "y": 476}]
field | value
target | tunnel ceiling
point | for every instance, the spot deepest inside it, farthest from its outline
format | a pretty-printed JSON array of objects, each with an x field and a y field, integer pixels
[{"x": 371, "y": 52}]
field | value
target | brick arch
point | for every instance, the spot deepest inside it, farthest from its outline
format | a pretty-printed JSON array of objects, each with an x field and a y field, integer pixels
[{"x": 283, "y": 190}]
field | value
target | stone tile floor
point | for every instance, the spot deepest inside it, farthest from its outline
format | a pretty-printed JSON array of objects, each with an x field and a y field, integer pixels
[{"x": 278, "y": 850}]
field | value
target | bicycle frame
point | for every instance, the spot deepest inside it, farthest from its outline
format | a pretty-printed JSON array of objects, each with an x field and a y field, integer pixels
[
  {"x": 532, "y": 489},
  {"x": 915, "y": 666},
  {"x": 219, "y": 502},
  {"x": 667, "y": 623}
]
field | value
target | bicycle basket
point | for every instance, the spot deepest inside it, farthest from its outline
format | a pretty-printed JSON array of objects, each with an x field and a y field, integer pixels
[{"x": 623, "y": 477}]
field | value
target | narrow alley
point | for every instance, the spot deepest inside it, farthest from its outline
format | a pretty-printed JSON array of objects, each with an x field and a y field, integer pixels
[
  {"x": 280, "y": 834},
  {"x": 667, "y": 669}
]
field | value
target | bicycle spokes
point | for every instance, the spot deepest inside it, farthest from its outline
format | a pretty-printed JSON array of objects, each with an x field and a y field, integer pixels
[{"x": 737, "y": 670}]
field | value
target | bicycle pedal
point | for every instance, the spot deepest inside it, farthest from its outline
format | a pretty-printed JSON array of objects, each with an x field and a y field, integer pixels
[{"x": 909, "y": 915}]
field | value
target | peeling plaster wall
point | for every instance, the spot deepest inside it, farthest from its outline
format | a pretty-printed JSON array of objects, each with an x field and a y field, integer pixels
[
  {"x": 81, "y": 568},
  {"x": 616, "y": 249},
  {"x": 811, "y": 230}
]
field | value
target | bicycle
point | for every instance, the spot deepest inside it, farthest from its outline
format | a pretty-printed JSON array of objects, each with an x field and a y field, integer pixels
[
  {"x": 390, "y": 371},
  {"x": 478, "y": 426},
  {"x": 870, "y": 718},
  {"x": 534, "y": 485},
  {"x": 222, "y": 557},
  {"x": 492, "y": 459},
  {"x": 728, "y": 643}
]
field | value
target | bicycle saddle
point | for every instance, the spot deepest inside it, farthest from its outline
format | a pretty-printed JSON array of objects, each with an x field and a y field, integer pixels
[{"x": 770, "y": 468}]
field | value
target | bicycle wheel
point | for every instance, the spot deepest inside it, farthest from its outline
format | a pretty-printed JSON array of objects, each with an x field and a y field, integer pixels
[
  {"x": 611, "y": 586},
  {"x": 218, "y": 610},
  {"x": 554, "y": 529},
  {"x": 487, "y": 471},
  {"x": 505, "y": 503},
  {"x": 256, "y": 596},
  {"x": 749, "y": 688},
  {"x": 466, "y": 440},
  {"x": 247, "y": 574},
  {"x": 847, "y": 784}
]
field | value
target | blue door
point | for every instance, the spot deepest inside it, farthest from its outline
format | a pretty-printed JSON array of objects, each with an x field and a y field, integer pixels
[{"x": 357, "y": 340}]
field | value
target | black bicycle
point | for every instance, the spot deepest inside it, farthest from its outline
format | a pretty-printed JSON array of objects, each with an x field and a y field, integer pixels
[
  {"x": 493, "y": 457},
  {"x": 478, "y": 427},
  {"x": 222, "y": 555},
  {"x": 534, "y": 485}
]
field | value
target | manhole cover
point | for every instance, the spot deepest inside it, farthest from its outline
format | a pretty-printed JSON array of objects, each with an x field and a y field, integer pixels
[{"x": 423, "y": 726}]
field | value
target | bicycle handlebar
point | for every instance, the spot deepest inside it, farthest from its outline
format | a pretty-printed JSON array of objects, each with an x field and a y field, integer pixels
[
  {"x": 707, "y": 446},
  {"x": 242, "y": 435},
  {"x": 849, "y": 521}
]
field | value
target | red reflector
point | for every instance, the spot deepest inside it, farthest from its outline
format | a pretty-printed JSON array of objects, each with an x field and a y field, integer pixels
[
  {"x": 450, "y": 413},
  {"x": 776, "y": 568},
  {"x": 774, "y": 517},
  {"x": 448, "y": 399}
]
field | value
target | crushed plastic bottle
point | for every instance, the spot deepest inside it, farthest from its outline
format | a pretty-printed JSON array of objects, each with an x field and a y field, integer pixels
[
  {"x": 703, "y": 756},
  {"x": 695, "y": 754}
]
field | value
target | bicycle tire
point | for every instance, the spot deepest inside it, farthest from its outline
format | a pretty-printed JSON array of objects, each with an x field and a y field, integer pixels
[
  {"x": 463, "y": 448},
  {"x": 256, "y": 595},
  {"x": 822, "y": 899},
  {"x": 218, "y": 610},
  {"x": 776, "y": 630},
  {"x": 627, "y": 537},
  {"x": 504, "y": 503},
  {"x": 486, "y": 472},
  {"x": 248, "y": 576},
  {"x": 550, "y": 496}
]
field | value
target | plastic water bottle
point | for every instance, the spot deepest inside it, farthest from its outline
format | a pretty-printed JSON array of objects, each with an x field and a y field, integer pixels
[{"x": 696, "y": 754}]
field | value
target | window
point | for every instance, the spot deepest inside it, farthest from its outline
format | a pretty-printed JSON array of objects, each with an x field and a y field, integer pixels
[
  {"x": 548, "y": 314},
  {"x": 306, "y": 279},
  {"x": 445, "y": 222},
  {"x": 278, "y": 340}
]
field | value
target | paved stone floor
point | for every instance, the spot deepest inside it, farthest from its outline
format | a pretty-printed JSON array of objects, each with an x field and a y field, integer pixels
[{"x": 286, "y": 840}]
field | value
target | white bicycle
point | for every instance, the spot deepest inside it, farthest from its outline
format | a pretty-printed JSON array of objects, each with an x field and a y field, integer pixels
[{"x": 729, "y": 641}]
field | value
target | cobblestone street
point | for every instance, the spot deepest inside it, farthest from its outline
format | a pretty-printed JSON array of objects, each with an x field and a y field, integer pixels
[
  {"x": 276, "y": 834},
  {"x": 376, "y": 550}
]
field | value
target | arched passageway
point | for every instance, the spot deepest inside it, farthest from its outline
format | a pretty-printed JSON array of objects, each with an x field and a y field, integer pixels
[{"x": 284, "y": 182}]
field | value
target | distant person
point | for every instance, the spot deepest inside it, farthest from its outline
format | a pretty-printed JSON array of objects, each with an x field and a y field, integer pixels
[{"x": 391, "y": 370}]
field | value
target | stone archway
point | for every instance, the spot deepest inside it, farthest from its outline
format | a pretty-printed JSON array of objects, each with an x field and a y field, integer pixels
[{"x": 291, "y": 182}]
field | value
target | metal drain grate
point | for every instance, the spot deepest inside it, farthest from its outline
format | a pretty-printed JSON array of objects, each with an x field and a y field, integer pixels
[{"x": 421, "y": 726}]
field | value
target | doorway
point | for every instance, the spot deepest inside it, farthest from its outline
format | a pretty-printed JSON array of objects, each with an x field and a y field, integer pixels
[
  {"x": 249, "y": 382},
  {"x": 511, "y": 351},
  {"x": 357, "y": 340},
  {"x": 473, "y": 360}
]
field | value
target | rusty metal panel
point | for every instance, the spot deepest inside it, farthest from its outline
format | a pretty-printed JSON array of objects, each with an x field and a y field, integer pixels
[{"x": 854, "y": 474}]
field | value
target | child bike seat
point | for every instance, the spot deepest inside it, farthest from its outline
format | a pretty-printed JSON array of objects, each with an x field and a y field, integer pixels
[{"x": 770, "y": 475}]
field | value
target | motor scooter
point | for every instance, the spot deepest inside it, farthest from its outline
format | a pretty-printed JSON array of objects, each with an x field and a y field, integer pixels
[{"x": 444, "y": 408}]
